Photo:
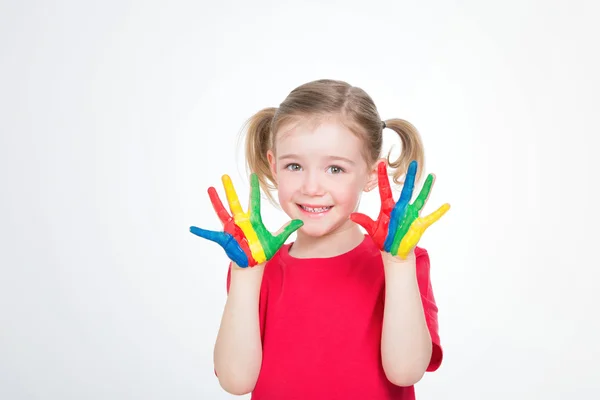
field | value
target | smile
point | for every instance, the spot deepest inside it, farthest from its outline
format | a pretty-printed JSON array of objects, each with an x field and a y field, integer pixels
[{"x": 315, "y": 210}]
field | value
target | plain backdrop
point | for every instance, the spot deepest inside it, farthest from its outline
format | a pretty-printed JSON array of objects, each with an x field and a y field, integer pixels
[{"x": 116, "y": 116}]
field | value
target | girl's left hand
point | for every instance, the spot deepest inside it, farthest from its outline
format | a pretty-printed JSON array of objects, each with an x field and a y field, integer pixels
[{"x": 397, "y": 230}]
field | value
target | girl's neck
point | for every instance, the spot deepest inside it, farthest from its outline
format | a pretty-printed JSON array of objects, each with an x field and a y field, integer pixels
[{"x": 340, "y": 241}]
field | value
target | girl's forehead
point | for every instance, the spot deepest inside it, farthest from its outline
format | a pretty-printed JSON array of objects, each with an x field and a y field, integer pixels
[{"x": 328, "y": 135}]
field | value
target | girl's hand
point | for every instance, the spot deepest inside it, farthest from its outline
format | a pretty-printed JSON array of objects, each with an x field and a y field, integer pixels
[
  {"x": 404, "y": 225},
  {"x": 245, "y": 231},
  {"x": 232, "y": 239}
]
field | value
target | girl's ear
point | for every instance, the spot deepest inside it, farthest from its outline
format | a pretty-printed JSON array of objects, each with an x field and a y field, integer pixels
[
  {"x": 272, "y": 165},
  {"x": 372, "y": 180}
]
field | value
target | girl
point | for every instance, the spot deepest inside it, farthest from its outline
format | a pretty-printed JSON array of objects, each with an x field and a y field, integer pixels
[{"x": 336, "y": 314}]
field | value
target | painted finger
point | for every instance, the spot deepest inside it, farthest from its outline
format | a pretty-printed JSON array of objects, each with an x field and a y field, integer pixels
[
  {"x": 217, "y": 237},
  {"x": 424, "y": 195},
  {"x": 254, "y": 194},
  {"x": 435, "y": 216},
  {"x": 409, "y": 183},
  {"x": 232, "y": 197},
  {"x": 217, "y": 204},
  {"x": 385, "y": 190},
  {"x": 365, "y": 221},
  {"x": 255, "y": 216},
  {"x": 276, "y": 242},
  {"x": 226, "y": 241}
]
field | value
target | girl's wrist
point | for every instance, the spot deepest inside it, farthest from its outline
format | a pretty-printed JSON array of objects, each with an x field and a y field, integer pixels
[
  {"x": 395, "y": 261},
  {"x": 247, "y": 274},
  {"x": 246, "y": 280}
]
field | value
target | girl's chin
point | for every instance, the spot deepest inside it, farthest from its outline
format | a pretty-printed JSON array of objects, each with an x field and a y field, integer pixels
[
  {"x": 316, "y": 229},
  {"x": 312, "y": 231}
]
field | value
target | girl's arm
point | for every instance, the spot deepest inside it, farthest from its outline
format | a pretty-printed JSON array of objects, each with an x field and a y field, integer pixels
[
  {"x": 406, "y": 346},
  {"x": 238, "y": 349}
]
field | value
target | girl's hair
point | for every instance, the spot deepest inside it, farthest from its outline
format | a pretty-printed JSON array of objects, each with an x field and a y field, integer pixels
[{"x": 323, "y": 98}]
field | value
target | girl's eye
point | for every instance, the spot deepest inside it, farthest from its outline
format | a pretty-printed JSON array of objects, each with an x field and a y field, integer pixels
[
  {"x": 336, "y": 170},
  {"x": 293, "y": 167}
]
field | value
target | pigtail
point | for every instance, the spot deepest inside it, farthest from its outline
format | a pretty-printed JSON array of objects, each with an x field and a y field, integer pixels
[
  {"x": 412, "y": 149},
  {"x": 258, "y": 142}
]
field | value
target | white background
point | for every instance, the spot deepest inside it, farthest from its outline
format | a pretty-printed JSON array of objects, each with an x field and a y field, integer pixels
[{"x": 115, "y": 117}]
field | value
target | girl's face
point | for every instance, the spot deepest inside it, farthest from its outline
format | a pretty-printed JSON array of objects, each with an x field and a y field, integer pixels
[{"x": 320, "y": 173}]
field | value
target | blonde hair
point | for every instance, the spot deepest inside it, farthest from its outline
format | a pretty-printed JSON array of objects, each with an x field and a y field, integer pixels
[{"x": 323, "y": 98}]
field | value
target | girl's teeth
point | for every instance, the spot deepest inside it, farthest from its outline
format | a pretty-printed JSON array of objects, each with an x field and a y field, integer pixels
[{"x": 315, "y": 210}]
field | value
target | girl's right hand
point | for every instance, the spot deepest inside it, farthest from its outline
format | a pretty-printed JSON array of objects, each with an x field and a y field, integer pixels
[{"x": 245, "y": 239}]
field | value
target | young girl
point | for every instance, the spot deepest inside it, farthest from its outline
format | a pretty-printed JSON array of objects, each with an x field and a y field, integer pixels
[{"x": 336, "y": 314}]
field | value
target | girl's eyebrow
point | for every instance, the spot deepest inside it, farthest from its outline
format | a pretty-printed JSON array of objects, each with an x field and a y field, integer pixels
[
  {"x": 338, "y": 158},
  {"x": 330, "y": 158},
  {"x": 288, "y": 156}
]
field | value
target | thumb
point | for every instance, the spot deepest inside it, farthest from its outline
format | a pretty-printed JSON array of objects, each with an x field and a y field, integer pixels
[
  {"x": 214, "y": 236},
  {"x": 365, "y": 221},
  {"x": 286, "y": 230}
]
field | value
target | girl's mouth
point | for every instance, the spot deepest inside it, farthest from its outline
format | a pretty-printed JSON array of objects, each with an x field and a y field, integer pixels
[{"x": 314, "y": 210}]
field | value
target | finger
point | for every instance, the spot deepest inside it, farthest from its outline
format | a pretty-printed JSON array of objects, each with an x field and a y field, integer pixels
[
  {"x": 232, "y": 197},
  {"x": 409, "y": 183},
  {"x": 255, "y": 216},
  {"x": 385, "y": 190},
  {"x": 218, "y": 205},
  {"x": 217, "y": 237},
  {"x": 263, "y": 236},
  {"x": 424, "y": 195},
  {"x": 365, "y": 221},
  {"x": 287, "y": 230},
  {"x": 435, "y": 216},
  {"x": 226, "y": 241},
  {"x": 410, "y": 235},
  {"x": 254, "y": 195}
]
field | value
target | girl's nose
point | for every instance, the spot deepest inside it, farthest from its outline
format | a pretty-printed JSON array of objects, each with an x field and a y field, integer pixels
[{"x": 311, "y": 186}]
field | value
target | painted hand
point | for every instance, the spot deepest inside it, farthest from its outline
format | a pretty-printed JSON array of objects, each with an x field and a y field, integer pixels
[
  {"x": 404, "y": 225},
  {"x": 232, "y": 239},
  {"x": 263, "y": 244},
  {"x": 245, "y": 239}
]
